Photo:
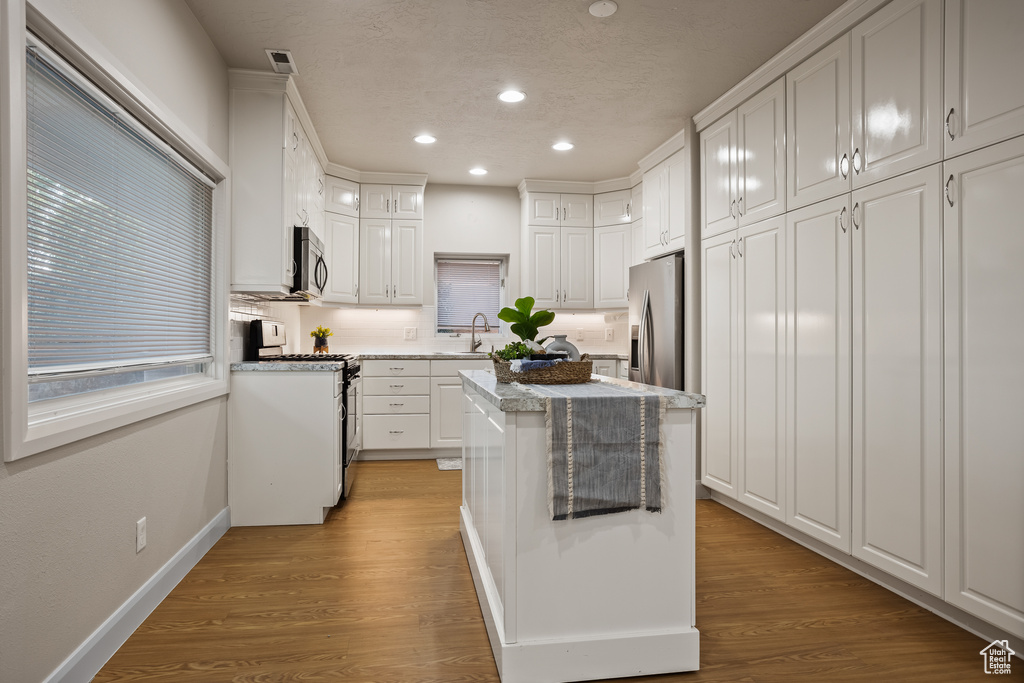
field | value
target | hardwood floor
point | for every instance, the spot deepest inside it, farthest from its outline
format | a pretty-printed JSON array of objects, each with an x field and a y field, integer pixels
[{"x": 382, "y": 592}]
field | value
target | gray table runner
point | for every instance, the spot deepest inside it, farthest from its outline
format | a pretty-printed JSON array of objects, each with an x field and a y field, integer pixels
[{"x": 604, "y": 449}]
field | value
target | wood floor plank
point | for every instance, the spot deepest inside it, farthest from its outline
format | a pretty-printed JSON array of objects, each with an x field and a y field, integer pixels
[{"x": 382, "y": 592}]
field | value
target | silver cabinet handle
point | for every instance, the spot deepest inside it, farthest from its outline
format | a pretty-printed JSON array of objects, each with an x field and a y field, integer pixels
[
  {"x": 395, "y": 386},
  {"x": 396, "y": 431},
  {"x": 357, "y": 204},
  {"x": 732, "y": 248},
  {"x": 739, "y": 207},
  {"x": 628, "y": 214},
  {"x": 841, "y": 214},
  {"x": 732, "y": 209},
  {"x": 564, "y": 297},
  {"x": 387, "y": 291},
  {"x": 853, "y": 216},
  {"x": 856, "y": 160},
  {"x": 295, "y": 137},
  {"x": 400, "y": 368},
  {"x": 844, "y": 167},
  {"x": 948, "y": 197},
  {"x": 949, "y": 131},
  {"x": 739, "y": 247},
  {"x": 357, "y": 291},
  {"x": 396, "y": 405},
  {"x": 387, "y": 206}
]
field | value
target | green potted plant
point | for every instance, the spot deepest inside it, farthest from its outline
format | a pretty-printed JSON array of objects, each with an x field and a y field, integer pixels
[{"x": 320, "y": 335}]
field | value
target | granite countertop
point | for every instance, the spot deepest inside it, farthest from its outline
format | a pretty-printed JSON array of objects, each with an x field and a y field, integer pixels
[
  {"x": 521, "y": 398},
  {"x": 287, "y": 366},
  {"x": 459, "y": 355}
]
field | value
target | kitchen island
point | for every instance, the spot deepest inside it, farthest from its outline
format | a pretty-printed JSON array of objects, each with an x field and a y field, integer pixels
[{"x": 602, "y": 596}]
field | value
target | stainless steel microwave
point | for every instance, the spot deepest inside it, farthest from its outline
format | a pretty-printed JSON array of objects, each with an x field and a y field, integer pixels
[{"x": 310, "y": 265}]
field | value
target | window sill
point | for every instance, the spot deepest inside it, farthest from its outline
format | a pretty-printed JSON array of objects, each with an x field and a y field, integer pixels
[{"x": 62, "y": 421}]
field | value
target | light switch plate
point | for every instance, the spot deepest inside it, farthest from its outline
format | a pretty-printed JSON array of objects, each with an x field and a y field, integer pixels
[
  {"x": 609, "y": 334},
  {"x": 579, "y": 334}
]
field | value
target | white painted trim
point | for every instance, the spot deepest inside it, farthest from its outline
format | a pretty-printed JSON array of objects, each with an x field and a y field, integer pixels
[
  {"x": 666, "y": 149},
  {"x": 89, "y": 657},
  {"x": 408, "y": 454},
  {"x": 919, "y": 597},
  {"x": 573, "y": 186},
  {"x": 375, "y": 178},
  {"x": 825, "y": 31}
]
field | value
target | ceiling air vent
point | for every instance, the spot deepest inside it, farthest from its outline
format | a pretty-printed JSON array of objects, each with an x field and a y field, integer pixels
[{"x": 282, "y": 61}]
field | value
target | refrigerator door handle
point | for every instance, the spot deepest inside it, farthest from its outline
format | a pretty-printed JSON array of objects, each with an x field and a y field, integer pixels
[{"x": 646, "y": 350}]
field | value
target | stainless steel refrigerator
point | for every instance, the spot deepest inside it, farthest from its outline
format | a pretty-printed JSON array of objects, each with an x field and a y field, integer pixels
[{"x": 656, "y": 322}]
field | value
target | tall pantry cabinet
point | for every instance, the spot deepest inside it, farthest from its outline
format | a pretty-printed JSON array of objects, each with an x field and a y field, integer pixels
[{"x": 897, "y": 259}]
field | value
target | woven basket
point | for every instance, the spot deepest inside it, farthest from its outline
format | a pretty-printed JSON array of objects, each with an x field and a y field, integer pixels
[{"x": 566, "y": 372}]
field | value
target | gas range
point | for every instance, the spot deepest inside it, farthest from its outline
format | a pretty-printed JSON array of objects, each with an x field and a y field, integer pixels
[{"x": 266, "y": 343}]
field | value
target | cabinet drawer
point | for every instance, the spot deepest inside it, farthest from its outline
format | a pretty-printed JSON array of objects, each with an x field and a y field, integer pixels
[
  {"x": 396, "y": 431},
  {"x": 396, "y": 386},
  {"x": 390, "y": 405},
  {"x": 450, "y": 368},
  {"x": 395, "y": 368}
]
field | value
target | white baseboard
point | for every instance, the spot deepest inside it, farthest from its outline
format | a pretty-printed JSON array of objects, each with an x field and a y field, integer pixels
[
  {"x": 409, "y": 453},
  {"x": 84, "y": 663},
  {"x": 934, "y": 604}
]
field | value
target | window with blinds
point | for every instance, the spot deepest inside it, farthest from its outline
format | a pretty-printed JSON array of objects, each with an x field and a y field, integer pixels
[
  {"x": 466, "y": 287},
  {"x": 119, "y": 243}
]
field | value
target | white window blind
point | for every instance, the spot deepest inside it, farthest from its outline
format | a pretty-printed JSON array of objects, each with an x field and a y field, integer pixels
[
  {"x": 465, "y": 288},
  {"x": 119, "y": 243}
]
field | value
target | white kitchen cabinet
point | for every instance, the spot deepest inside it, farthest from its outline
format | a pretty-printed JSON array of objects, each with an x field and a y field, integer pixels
[
  {"x": 636, "y": 202},
  {"x": 342, "y": 254},
  {"x": 612, "y": 258},
  {"x": 818, "y": 394},
  {"x": 279, "y": 475},
  {"x": 264, "y": 145},
  {"x": 897, "y": 376},
  {"x": 606, "y": 367},
  {"x": 342, "y": 196},
  {"x": 984, "y": 101},
  {"x": 719, "y": 449},
  {"x": 551, "y": 209},
  {"x": 867, "y": 106},
  {"x": 446, "y": 400},
  {"x": 391, "y": 201},
  {"x": 668, "y": 204},
  {"x": 613, "y": 208},
  {"x": 395, "y": 393},
  {"x": 560, "y": 267},
  {"x": 761, "y": 160},
  {"x": 719, "y": 143},
  {"x": 984, "y": 432},
  {"x": 390, "y": 262},
  {"x": 637, "y": 245}
]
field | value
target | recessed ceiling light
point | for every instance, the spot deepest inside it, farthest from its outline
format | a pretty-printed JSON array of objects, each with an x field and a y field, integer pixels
[
  {"x": 478, "y": 171},
  {"x": 603, "y": 8},
  {"x": 512, "y": 96},
  {"x": 562, "y": 146},
  {"x": 425, "y": 139}
]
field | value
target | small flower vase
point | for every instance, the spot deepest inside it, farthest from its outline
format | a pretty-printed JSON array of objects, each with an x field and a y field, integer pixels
[
  {"x": 560, "y": 345},
  {"x": 319, "y": 344}
]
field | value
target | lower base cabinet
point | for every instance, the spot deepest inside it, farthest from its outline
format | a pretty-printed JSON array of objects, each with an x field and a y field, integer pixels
[{"x": 446, "y": 400}]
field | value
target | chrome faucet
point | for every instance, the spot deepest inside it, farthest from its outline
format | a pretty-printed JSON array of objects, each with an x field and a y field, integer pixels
[{"x": 475, "y": 343}]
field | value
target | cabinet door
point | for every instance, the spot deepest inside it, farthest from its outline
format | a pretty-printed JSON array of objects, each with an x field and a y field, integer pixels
[
  {"x": 612, "y": 208},
  {"x": 818, "y": 371},
  {"x": 342, "y": 246},
  {"x": 374, "y": 261},
  {"x": 445, "y": 412},
  {"x": 897, "y": 90},
  {"x": 406, "y": 262},
  {"x": 545, "y": 209},
  {"x": 605, "y": 368},
  {"x": 577, "y": 210},
  {"x": 636, "y": 202},
  {"x": 407, "y": 202},
  {"x": 680, "y": 196},
  {"x": 612, "y": 258},
  {"x": 637, "y": 254},
  {"x": 897, "y": 377},
  {"x": 718, "y": 149},
  {"x": 655, "y": 210},
  {"x": 342, "y": 196},
  {"x": 718, "y": 364},
  {"x": 761, "y": 161},
  {"x": 543, "y": 266},
  {"x": 818, "y": 126},
  {"x": 984, "y": 432},
  {"x": 984, "y": 101},
  {"x": 761, "y": 365},
  {"x": 577, "y": 267},
  {"x": 375, "y": 201}
]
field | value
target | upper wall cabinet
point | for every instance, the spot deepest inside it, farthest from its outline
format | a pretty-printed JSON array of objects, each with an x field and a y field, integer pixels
[
  {"x": 342, "y": 247},
  {"x": 342, "y": 197},
  {"x": 559, "y": 266},
  {"x": 848, "y": 131},
  {"x": 613, "y": 208},
  {"x": 743, "y": 163},
  {"x": 390, "y": 262},
  {"x": 391, "y": 201},
  {"x": 982, "y": 105},
  {"x": 560, "y": 210},
  {"x": 668, "y": 204}
]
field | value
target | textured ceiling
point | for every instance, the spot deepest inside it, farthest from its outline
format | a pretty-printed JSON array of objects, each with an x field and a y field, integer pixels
[{"x": 375, "y": 73}]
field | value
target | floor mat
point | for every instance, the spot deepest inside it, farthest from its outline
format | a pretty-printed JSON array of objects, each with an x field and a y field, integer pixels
[{"x": 449, "y": 463}]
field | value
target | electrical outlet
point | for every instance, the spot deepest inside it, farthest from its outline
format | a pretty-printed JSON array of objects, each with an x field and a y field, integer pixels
[
  {"x": 410, "y": 334},
  {"x": 579, "y": 334},
  {"x": 140, "y": 535},
  {"x": 609, "y": 334}
]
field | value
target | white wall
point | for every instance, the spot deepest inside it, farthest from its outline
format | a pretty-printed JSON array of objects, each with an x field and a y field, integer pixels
[{"x": 67, "y": 516}]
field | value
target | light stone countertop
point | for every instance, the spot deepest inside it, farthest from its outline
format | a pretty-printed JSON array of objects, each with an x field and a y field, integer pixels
[
  {"x": 521, "y": 398},
  {"x": 460, "y": 355},
  {"x": 287, "y": 366}
]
